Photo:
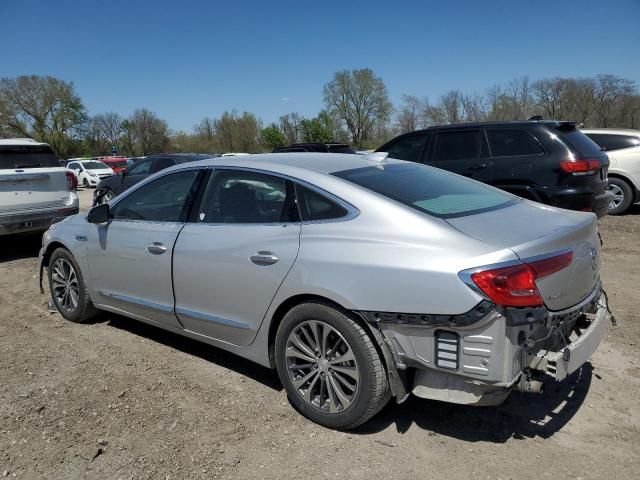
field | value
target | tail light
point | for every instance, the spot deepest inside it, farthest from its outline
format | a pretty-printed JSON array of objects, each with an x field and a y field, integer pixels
[
  {"x": 580, "y": 167},
  {"x": 72, "y": 181},
  {"x": 515, "y": 285}
]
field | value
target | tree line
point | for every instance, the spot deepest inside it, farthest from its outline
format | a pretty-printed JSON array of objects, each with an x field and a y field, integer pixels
[{"x": 357, "y": 110}]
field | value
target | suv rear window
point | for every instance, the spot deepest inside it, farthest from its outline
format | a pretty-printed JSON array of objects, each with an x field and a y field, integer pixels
[
  {"x": 429, "y": 190},
  {"x": 582, "y": 144},
  {"x": 41, "y": 156},
  {"x": 611, "y": 143}
]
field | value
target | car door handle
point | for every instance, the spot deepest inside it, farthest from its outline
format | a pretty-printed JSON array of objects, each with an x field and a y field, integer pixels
[
  {"x": 263, "y": 258},
  {"x": 156, "y": 248},
  {"x": 478, "y": 166}
]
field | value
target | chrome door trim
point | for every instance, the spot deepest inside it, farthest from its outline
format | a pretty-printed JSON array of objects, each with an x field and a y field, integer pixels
[
  {"x": 137, "y": 301},
  {"x": 212, "y": 318}
]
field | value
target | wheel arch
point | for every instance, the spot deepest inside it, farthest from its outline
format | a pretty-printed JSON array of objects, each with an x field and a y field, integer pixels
[{"x": 624, "y": 178}]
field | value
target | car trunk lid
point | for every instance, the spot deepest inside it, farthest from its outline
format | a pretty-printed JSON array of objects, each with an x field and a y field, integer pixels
[{"x": 533, "y": 230}]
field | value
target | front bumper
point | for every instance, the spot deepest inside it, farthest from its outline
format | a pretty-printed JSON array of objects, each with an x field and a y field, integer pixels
[{"x": 35, "y": 221}]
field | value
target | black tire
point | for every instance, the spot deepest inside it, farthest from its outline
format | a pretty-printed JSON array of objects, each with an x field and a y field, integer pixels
[
  {"x": 84, "y": 310},
  {"x": 372, "y": 392},
  {"x": 85, "y": 183},
  {"x": 105, "y": 197},
  {"x": 620, "y": 187}
]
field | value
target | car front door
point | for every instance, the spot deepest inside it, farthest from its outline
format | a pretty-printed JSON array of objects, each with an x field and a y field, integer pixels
[
  {"x": 130, "y": 256},
  {"x": 229, "y": 263},
  {"x": 463, "y": 152}
]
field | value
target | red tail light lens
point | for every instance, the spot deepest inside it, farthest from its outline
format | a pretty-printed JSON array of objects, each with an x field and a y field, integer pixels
[
  {"x": 515, "y": 286},
  {"x": 72, "y": 181},
  {"x": 580, "y": 166}
]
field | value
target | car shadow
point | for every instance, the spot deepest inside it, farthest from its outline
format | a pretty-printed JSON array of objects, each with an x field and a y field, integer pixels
[
  {"x": 520, "y": 416},
  {"x": 18, "y": 247},
  {"x": 209, "y": 353}
]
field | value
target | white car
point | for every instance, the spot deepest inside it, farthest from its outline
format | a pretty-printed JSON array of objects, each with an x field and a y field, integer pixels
[
  {"x": 35, "y": 191},
  {"x": 623, "y": 148},
  {"x": 90, "y": 172}
]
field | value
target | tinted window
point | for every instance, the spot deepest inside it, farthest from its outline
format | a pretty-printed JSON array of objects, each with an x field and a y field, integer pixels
[
  {"x": 458, "y": 146},
  {"x": 141, "y": 168},
  {"x": 408, "y": 148},
  {"x": 161, "y": 163},
  {"x": 511, "y": 143},
  {"x": 165, "y": 199},
  {"x": 238, "y": 196},
  {"x": 73, "y": 166},
  {"x": 94, "y": 165},
  {"x": 428, "y": 189},
  {"x": 582, "y": 144},
  {"x": 315, "y": 206},
  {"x": 341, "y": 149},
  {"x": 40, "y": 156},
  {"x": 611, "y": 143}
]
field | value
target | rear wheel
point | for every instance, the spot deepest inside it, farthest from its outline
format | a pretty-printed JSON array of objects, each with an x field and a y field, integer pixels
[
  {"x": 106, "y": 197},
  {"x": 621, "y": 196},
  {"x": 85, "y": 183},
  {"x": 329, "y": 366},
  {"x": 68, "y": 290}
]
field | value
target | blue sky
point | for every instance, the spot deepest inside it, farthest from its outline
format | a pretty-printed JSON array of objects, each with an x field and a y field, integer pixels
[{"x": 186, "y": 59}]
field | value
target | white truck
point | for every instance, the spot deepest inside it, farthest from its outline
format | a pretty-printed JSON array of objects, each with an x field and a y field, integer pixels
[{"x": 35, "y": 191}]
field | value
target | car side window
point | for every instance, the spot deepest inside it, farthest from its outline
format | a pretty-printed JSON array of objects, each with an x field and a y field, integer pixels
[
  {"x": 240, "y": 196},
  {"x": 141, "y": 168},
  {"x": 408, "y": 148},
  {"x": 513, "y": 142},
  {"x": 611, "y": 143},
  {"x": 161, "y": 163},
  {"x": 315, "y": 206},
  {"x": 73, "y": 166},
  {"x": 166, "y": 199},
  {"x": 466, "y": 145}
]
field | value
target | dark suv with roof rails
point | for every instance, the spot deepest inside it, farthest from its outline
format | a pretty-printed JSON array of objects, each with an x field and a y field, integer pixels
[
  {"x": 134, "y": 173},
  {"x": 316, "y": 147},
  {"x": 551, "y": 162}
]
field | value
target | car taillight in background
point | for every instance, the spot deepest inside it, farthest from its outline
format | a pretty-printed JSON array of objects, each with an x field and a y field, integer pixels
[
  {"x": 72, "y": 181},
  {"x": 515, "y": 285},
  {"x": 580, "y": 167}
]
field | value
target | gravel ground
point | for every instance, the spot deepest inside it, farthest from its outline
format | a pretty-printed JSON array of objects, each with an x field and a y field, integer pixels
[{"x": 119, "y": 399}]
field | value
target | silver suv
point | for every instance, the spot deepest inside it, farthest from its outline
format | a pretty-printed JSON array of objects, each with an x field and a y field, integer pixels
[{"x": 34, "y": 189}]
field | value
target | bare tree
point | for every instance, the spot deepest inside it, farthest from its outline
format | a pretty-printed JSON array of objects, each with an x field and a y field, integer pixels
[
  {"x": 290, "y": 126},
  {"x": 551, "y": 95},
  {"x": 359, "y": 99},
  {"x": 410, "y": 113},
  {"x": 607, "y": 92}
]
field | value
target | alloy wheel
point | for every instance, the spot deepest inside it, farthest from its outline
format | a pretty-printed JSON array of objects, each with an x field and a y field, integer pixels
[
  {"x": 617, "y": 196},
  {"x": 322, "y": 366},
  {"x": 66, "y": 289}
]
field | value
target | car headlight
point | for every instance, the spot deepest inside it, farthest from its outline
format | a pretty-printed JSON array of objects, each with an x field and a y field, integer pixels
[{"x": 91, "y": 174}]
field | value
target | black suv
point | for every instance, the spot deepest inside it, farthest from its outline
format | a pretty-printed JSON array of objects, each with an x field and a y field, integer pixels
[
  {"x": 316, "y": 147},
  {"x": 547, "y": 161},
  {"x": 141, "y": 169}
]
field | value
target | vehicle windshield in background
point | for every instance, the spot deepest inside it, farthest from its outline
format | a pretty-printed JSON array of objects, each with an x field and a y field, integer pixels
[
  {"x": 429, "y": 190},
  {"x": 341, "y": 149},
  {"x": 39, "y": 156},
  {"x": 94, "y": 165}
]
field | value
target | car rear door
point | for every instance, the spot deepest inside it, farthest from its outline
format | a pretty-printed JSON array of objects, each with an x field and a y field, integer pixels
[
  {"x": 230, "y": 262},
  {"x": 130, "y": 256},
  {"x": 31, "y": 178},
  {"x": 464, "y": 152}
]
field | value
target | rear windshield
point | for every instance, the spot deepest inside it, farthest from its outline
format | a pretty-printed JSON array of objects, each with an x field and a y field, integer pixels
[
  {"x": 580, "y": 142},
  {"x": 40, "y": 156},
  {"x": 429, "y": 190},
  {"x": 94, "y": 165}
]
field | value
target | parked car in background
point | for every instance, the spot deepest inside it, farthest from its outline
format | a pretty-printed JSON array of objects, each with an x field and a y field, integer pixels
[
  {"x": 110, "y": 187},
  {"x": 89, "y": 172},
  {"x": 551, "y": 162},
  {"x": 117, "y": 164},
  {"x": 35, "y": 190},
  {"x": 316, "y": 147},
  {"x": 465, "y": 294},
  {"x": 623, "y": 149}
]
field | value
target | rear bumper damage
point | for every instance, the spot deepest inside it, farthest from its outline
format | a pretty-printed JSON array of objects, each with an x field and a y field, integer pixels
[{"x": 481, "y": 362}]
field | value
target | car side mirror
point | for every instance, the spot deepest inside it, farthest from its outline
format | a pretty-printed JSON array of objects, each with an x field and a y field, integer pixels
[{"x": 99, "y": 214}]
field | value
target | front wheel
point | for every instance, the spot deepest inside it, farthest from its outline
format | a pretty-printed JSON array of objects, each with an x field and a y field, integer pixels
[
  {"x": 621, "y": 196},
  {"x": 68, "y": 290},
  {"x": 329, "y": 366},
  {"x": 106, "y": 197}
]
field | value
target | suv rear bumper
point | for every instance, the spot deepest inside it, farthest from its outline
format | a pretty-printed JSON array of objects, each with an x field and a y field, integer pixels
[
  {"x": 34, "y": 221},
  {"x": 583, "y": 200}
]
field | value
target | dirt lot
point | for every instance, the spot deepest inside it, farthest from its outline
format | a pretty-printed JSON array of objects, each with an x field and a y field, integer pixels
[{"x": 118, "y": 399}]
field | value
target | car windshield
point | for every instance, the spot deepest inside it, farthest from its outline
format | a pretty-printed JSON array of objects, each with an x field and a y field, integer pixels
[
  {"x": 94, "y": 165},
  {"x": 40, "y": 156},
  {"x": 429, "y": 190}
]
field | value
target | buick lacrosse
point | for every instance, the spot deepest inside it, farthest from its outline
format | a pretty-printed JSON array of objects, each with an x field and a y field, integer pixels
[{"x": 360, "y": 278}]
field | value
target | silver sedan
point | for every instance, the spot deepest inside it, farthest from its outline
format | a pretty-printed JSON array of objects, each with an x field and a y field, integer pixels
[{"x": 360, "y": 278}]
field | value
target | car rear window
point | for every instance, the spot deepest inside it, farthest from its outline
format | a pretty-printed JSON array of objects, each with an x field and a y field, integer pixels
[
  {"x": 41, "y": 156},
  {"x": 582, "y": 144},
  {"x": 429, "y": 190},
  {"x": 94, "y": 165},
  {"x": 341, "y": 149}
]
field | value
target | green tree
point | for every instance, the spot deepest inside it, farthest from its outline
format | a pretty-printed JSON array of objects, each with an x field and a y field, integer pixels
[
  {"x": 43, "y": 108},
  {"x": 272, "y": 137},
  {"x": 317, "y": 130}
]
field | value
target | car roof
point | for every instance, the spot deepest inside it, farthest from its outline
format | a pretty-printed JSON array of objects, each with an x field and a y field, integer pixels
[
  {"x": 296, "y": 162},
  {"x": 500, "y": 123},
  {"x": 612, "y": 131},
  {"x": 19, "y": 142}
]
